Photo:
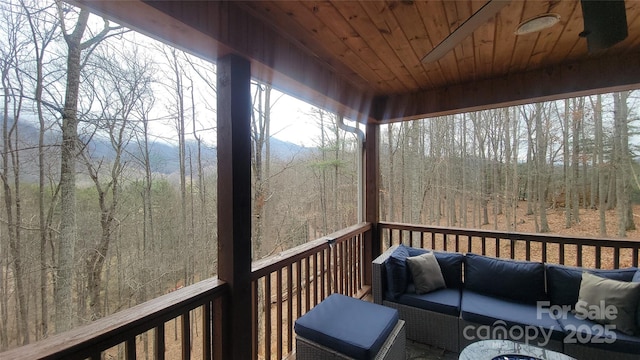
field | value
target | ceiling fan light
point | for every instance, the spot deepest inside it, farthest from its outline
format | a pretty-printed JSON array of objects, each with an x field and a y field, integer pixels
[{"x": 537, "y": 23}]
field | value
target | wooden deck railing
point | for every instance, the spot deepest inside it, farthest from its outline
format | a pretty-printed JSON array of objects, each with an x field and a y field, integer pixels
[
  {"x": 122, "y": 335},
  {"x": 289, "y": 284},
  {"x": 576, "y": 251}
]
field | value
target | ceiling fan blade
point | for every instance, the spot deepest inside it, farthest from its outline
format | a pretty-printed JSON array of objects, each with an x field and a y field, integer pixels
[{"x": 480, "y": 17}]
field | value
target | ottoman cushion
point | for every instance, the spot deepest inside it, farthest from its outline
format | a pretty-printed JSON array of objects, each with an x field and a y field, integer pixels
[{"x": 353, "y": 327}]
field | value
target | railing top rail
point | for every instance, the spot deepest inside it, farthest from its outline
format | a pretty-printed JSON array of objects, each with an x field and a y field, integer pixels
[
  {"x": 109, "y": 331},
  {"x": 560, "y": 239},
  {"x": 272, "y": 263},
  {"x": 350, "y": 231}
]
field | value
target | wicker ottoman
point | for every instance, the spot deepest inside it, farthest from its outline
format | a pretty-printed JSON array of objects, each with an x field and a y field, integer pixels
[{"x": 341, "y": 327}]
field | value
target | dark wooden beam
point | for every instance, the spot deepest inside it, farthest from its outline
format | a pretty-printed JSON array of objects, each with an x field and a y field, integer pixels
[
  {"x": 372, "y": 246},
  {"x": 597, "y": 75},
  {"x": 234, "y": 201}
]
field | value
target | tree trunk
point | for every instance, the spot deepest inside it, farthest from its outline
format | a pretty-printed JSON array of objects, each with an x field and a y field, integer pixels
[
  {"x": 600, "y": 169},
  {"x": 568, "y": 186},
  {"x": 10, "y": 166},
  {"x": 64, "y": 318},
  {"x": 622, "y": 164},
  {"x": 577, "y": 119},
  {"x": 541, "y": 158}
]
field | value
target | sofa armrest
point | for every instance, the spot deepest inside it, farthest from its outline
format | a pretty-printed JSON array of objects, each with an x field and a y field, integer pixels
[{"x": 379, "y": 277}]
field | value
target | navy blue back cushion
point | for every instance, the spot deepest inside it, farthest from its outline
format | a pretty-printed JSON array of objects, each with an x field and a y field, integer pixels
[
  {"x": 451, "y": 266},
  {"x": 397, "y": 271},
  {"x": 563, "y": 282},
  {"x": 521, "y": 281}
]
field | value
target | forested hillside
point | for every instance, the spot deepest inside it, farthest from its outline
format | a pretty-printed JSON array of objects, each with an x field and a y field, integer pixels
[
  {"x": 473, "y": 170},
  {"x": 109, "y": 169}
]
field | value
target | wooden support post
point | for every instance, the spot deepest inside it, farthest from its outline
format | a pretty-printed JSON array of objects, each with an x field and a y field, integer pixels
[
  {"x": 234, "y": 202},
  {"x": 372, "y": 246}
]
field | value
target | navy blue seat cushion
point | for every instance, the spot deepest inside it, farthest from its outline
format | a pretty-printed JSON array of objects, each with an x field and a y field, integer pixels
[
  {"x": 487, "y": 310},
  {"x": 353, "y": 327},
  {"x": 444, "y": 301},
  {"x": 563, "y": 282},
  {"x": 450, "y": 265},
  {"x": 397, "y": 271},
  {"x": 590, "y": 333},
  {"x": 509, "y": 279}
]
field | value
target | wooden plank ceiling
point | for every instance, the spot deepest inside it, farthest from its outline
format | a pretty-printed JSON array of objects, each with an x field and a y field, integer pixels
[{"x": 364, "y": 58}]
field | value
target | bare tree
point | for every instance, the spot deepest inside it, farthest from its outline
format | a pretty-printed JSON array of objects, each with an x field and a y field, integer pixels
[
  {"x": 43, "y": 34},
  {"x": 622, "y": 163},
  {"x": 123, "y": 82},
  {"x": 13, "y": 98},
  {"x": 599, "y": 162},
  {"x": 76, "y": 45}
]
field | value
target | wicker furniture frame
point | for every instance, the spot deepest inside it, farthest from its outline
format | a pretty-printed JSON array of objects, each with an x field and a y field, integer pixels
[
  {"x": 423, "y": 326},
  {"x": 392, "y": 349}
]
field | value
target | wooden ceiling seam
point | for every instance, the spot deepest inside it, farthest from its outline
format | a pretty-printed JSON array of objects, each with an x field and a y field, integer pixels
[
  {"x": 347, "y": 40},
  {"x": 415, "y": 35},
  {"x": 547, "y": 39},
  {"x": 440, "y": 33},
  {"x": 634, "y": 23},
  {"x": 439, "y": 72},
  {"x": 390, "y": 32},
  {"x": 372, "y": 34}
]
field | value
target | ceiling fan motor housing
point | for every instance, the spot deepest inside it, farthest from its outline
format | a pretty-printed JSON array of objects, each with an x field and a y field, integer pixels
[{"x": 605, "y": 23}]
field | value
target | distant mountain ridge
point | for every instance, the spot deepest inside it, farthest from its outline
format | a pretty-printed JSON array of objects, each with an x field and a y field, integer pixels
[{"x": 164, "y": 155}]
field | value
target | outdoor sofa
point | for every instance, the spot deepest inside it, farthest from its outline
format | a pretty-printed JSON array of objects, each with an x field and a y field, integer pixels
[{"x": 532, "y": 302}]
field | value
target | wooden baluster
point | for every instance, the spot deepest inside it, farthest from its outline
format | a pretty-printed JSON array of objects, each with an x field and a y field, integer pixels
[
  {"x": 278, "y": 319},
  {"x": 298, "y": 289},
  {"x": 158, "y": 343},
  {"x": 598, "y": 255},
  {"x": 307, "y": 289},
  {"x": 528, "y": 250},
  {"x": 561, "y": 254},
  {"x": 206, "y": 331},
  {"x": 323, "y": 277},
  {"x": 484, "y": 245},
  {"x": 634, "y": 257},
  {"x": 616, "y": 257},
  {"x": 334, "y": 252},
  {"x": 457, "y": 243},
  {"x": 433, "y": 241},
  {"x": 497, "y": 247},
  {"x": 315, "y": 279},
  {"x": 130, "y": 348},
  {"x": 359, "y": 262},
  {"x": 267, "y": 316},
  {"x": 186, "y": 335},
  {"x": 290, "y": 308},
  {"x": 256, "y": 316},
  {"x": 579, "y": 255},
  {"x": 544, "y": 251},
  {"x": 512, "y": 245}
]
